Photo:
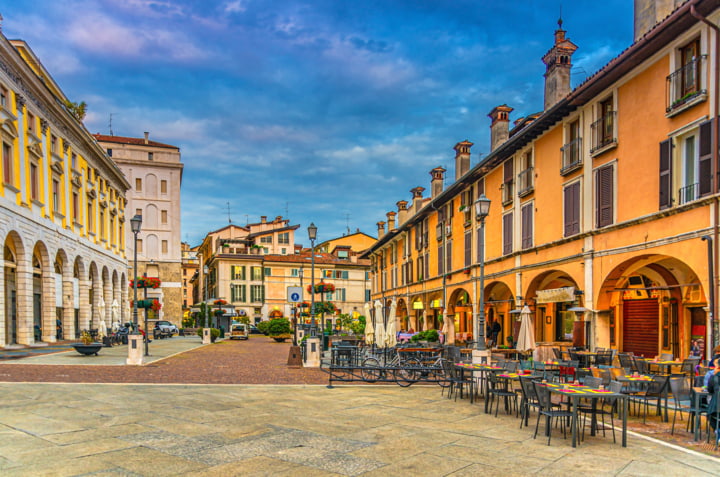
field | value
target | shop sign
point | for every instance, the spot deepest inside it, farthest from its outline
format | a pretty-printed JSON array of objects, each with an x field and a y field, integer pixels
[
  {"x": 556, "y": 295},
  {"x": 418, "y": 305}
]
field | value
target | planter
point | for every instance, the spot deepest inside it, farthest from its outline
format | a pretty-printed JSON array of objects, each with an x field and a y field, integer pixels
[
  {"x": 88, "y": 349},
  {"x": 279, "y": 340}
]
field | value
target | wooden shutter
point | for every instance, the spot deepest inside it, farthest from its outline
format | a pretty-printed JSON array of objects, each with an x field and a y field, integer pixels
[
  {"x": 527, "y": 226},
  {"x": 427, "y": 265},
  {"x": 440, "y": 259},
  {"x": 448, "y": 256},
  {"x": 480, "y": 187},
  {"x": 508, "y": 170},
  {"x": 665, "y": 174},
  {"x": 507, "y": 233},
  {"x": 468, "y": 247},
  {"x": 571, "y": 201},
  {"x": 604, "y": 203},
  {"x": 705, "y": 165}
]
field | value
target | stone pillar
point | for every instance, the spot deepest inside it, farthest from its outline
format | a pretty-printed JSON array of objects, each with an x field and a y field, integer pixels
[
  {"x": 3, "y": 312},
  {"x": 68, "y": 319},
  {"x": 312, "y": 352},
  {"x": 136, "y": 350},
  {"x": 24, "y": 286},
  {"x": 84, "y": 312},
  {"x": 206, "y": 339},
  {"x": 107, "y": 297},
  {"x": 48, "y": 308}
]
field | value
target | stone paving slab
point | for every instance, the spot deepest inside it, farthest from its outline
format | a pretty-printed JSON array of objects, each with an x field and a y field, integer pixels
[{"x": 295, "y": 430}]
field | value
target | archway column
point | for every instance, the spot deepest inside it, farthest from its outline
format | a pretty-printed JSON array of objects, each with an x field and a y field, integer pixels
[
  {"x": 107, "y": 294},
  {"x": 3, "y": 314},
  {"x": 68, "y": 311},
  {"x": 24, "y": 284},
  {"x": 48, "y": 307},
  {"x": 84, "y": 314}
]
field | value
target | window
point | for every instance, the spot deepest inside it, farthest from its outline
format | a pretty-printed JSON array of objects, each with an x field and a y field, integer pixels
[
  {"x": 163, "y": 216},
  {"x": 507, "y": 186},
  {"x": 266, "y": 239},
  {"x": 53, "y": 144},
  {"x": 73, "y": 160},
  {"x": 90, "y": 215},
  {"x": 339, "y": 294},
  {"x": 448, "y": 256},
  {"x": 237, "y": 293},
  {"x": 102, "y": 225},
  {"x": 7, "y": 163},
  {"x": 256, "y": 273},
  {"x": 685, "y": 83},
  {"x": 267, "y": 272},
  {"x": 139, "y": 246},
  {"x": 56, "y": 195},
  {"x": 163, "y": 186},
  {"x": 150, "y": 156},
  {"x": 526, "y": 176},
  {"x": 344, "y": 254},
  {"x": 468, "y": 248},
  {"x": 507, "y": 233},
  {"x": 367, "y": 295},
  {"x": 237, "y": 272},
  {"x": 109, "y": 152},
  {"x": 164, "y": 245},
  {"x": 257, "y": 293},
  {"x": 138, "y": 184},
  {"x": 284, "y": 238},
  {"x": 571, "y": 209},
  {"x": 34, "y": 192},
  {"x": 604, "y": 196},
  {"x": 526, "y": 223},
  {"x": 4, "y": 97},
  {"x": 572, "y": 151},
  {"x": 603, "y": 129},
  {"x": 31, "y": 122},
  {"x": 294, "y": 272},
  {"x": 75, "y": 206}
]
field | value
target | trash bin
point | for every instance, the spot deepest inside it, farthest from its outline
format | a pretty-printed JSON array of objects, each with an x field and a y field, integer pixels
[{"x": 222, "y": 332}]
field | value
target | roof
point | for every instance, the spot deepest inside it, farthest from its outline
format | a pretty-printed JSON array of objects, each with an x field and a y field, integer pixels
[
  {"x": 133, "y": 141},
  {"x": 320, "y": 258}
]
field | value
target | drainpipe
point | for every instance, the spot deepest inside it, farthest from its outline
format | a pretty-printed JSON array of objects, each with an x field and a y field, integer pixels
[{"x": 715, "y": 146}]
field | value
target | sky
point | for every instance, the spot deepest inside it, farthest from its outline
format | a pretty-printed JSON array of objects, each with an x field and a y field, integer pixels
[{"x": 324, "y": 111}]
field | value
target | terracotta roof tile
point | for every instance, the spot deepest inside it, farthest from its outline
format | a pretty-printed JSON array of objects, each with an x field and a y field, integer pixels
[{"x": 135, "y": 141}]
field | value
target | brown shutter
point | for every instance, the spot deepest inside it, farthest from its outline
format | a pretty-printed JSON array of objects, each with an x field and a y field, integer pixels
[
  {"x": 527, "y": 231},
  {"x": 665, "y": 174},
  {"x": 440, "y": 259},
  {"x": 508, "y": 170},
  {"x": 507, "y": 233},
  {"x": 480, "y": 187},
  {"x": 571, "y": 199},
  {"x": 426, "y": 261},
  {"x": 705, "y": 166},
  {"x": 448, "y": 256},
  {"x": 468, "y": 247},
  {"x": 604, "y": 196}
]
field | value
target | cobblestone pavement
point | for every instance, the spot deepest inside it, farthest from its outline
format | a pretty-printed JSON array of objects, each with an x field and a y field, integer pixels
[{"x": 201, "y": 430}]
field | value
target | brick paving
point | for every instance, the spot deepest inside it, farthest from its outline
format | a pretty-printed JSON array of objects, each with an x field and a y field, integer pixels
[{"x": 258, "y": 360}]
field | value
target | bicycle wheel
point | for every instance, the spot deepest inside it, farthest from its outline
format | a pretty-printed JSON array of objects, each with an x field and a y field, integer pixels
[
  {"x": 442, "y": 379},
  {"x": 371, "y": 370},
  {"x": 408, "y": 372}
]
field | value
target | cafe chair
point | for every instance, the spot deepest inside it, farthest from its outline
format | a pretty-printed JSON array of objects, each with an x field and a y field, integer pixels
[
  {"x": 666, "y": 357},
  {"x": 587, "y": 409},
  {"x": 604, "y": 358},
  {"x": 528, "y": 399},
  {"x": 550, "y": 411},
  {"x": 457, "y": 381},
  {"x": 682, "y": 401},
  {"x": 655, "y": 391},
  {"x": 627, "y": 362},
  {"x": 687, "y": 368},
  {"x": 557, "y": 353},
  {"x": 498, "y": 388},
  {"x": 568, "y": 371},
  {"x": 641, "y": 366}
]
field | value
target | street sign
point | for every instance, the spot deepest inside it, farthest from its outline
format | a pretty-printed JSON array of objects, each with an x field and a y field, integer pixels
[{"x": 294, "y": 294}]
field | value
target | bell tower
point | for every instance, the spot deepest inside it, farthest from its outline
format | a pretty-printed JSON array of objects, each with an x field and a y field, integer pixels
[{"x": 558, "y": 61}]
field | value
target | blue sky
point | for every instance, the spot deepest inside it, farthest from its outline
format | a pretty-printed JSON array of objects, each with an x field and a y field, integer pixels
[{"x": 324, "y": 110}]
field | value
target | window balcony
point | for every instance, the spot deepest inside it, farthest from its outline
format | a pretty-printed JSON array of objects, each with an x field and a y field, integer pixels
[
  {"x": 572, "y": 159},
  {"x": 685, "y": 87},
  {"x": 526, "y": 183},
  {"x": 507, "y": 193},
  {"x": 603, "y": 133},
  {"x": 689, "y": 193}
]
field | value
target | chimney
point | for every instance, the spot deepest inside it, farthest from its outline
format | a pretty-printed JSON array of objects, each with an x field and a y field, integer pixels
[
  {"x": 402, "y": 211},
  {"x": 263, "y": 219},
  {"x": 462, "y": 158},
  {"x": 557, "y": 68},
  {"x": 437, "y": 181},
  {"x": 500, "y": 125},
  {"x": 417, "y": 198},
  {"x": 147, "y": 136},
  {"x": 648, "y": 13},
  {"x": 381, "y": 228},
  {"x": 391, "y": 220},
  {"x": 278, "y": 219}
]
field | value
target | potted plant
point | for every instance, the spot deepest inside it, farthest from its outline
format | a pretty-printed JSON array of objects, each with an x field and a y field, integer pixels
[
  {"x": 88, "y": 345},
  {"x": 214, "y": 334},
  {"x": 279, "y": 329}
]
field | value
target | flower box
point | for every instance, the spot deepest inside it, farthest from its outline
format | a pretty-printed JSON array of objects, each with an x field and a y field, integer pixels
[
  {"x": 146, "y": 282},
  {"x": 321, "y": 288}
]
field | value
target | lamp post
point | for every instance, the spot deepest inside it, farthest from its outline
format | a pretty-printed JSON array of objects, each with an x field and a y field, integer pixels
[
  {"x": 135, "y": 224},
  {"x": 712, "y": 337},
  {"x": 206, "y": 270},
  {"x": 312, "y": 235},
  {"x": 482, "y": 209}
]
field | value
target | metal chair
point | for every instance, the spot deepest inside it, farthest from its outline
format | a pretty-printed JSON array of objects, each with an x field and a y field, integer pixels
[
  {"x": 627, "y": 362},
  {"x": 528, "y": 399},
  {"x": 682, "y": 401},
  {"x": 655, "y": 391},
  {"x": 598, "y": 409},
  {"x": 498, "y": 389},
  {"x": 550, "y": 411}
]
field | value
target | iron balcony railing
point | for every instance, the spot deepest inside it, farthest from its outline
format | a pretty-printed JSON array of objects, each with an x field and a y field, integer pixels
[
  {"x": 685, "y": 84},
  {"x": 603, "y": 131},
  {"x": 689, "y": 193},
  {"x": 525, "y": 182},
  {"x": 571, "y": 156}
]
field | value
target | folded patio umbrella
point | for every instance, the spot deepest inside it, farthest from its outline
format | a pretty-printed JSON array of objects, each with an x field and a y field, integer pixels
[
  {"x": 369, "y": 329},
  {"x": 526, "y": 335},
  {"x": 379, "y": 325}
]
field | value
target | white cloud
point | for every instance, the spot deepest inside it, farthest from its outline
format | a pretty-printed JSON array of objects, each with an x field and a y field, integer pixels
[{"x": 236, "y": 6}]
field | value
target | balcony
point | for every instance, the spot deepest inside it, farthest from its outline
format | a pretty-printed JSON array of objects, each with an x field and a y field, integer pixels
[
  {"x": 526, "y": 184},
  {"x": 572, "y": 159},
  {"x": 689, "y": 193},
  {"x": 507, "y": 193},
  {"x": 603, "y": 133},
  {"x": 684, "y": 87}
]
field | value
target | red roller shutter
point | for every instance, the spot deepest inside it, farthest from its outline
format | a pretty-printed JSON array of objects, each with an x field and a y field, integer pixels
[{"x": 640, "y": 327}]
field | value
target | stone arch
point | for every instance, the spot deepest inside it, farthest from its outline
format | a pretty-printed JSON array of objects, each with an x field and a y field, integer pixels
[
  {"x": 652, "y": 304},
  {"x": 13, "y": 331},
  {"x": 63, "y": 269},
  {"x": 43, "y": 294},
  {"x": 499, "y": 303},
  {"x": 401, "y": 312},
  {"x": 151, "y": 185},
  {"x": 460, "y": 312},
  {"x": 552, "y": 320}
]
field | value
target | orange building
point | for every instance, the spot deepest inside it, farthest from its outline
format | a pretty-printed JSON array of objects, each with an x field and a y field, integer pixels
[{"x": 600, "y": 201}]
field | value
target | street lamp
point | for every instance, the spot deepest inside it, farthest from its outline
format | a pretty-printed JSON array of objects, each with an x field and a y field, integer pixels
[
  {"x": 312, "y": 235},
  {"x": 206, "y": 270},
  {"x": 482, "y": 209},
  {"x": 135, "y": 224}
]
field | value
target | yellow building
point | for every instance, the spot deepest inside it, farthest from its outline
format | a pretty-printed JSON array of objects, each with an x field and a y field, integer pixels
[
  {"x": 600, "y": 201},
  {"x": 62, "y": 212},
  {"x": 357, "y": 242}
]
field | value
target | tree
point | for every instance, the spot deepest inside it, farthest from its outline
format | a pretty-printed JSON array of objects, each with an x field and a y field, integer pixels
[{"x": 76, "y": 110}]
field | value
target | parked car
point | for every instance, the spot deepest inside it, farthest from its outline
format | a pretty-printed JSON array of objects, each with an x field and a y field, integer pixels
[
  {"x": 239, "y": 331},
  {"x": 166, "y": 326},
  {"x": 254, "y": 330}
]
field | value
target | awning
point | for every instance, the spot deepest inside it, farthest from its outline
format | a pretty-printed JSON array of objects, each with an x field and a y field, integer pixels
[{"x": 556, "y": 295}]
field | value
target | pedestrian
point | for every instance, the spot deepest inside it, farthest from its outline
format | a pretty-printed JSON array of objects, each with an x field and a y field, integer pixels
[
  {"x": 496, "y": 329},
  {"x": 713, "y": 387}
]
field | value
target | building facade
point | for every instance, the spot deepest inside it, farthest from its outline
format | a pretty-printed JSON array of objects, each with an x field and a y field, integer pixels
[
  {"x": 62, "y": 212},
  {"x": 606, "y": 201},
  {"x": 154, "y": 171}
]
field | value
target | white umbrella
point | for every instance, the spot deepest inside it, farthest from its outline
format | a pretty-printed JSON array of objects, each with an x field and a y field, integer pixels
[
  {"x": 369, "y": 330},
  {"x": 526, "y": 336},
  {"x": 391, "y": 333},
  {"x": 446, "y": 327},
  {"x": 115, "y": 307},
  {"x": 379, "y": 325}
]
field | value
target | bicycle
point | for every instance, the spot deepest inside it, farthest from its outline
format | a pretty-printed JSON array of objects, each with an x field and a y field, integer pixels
[{"x": 398, "y": 369}]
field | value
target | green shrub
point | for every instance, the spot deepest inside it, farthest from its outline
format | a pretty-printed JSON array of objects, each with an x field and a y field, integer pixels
[
  {"x": 214, "y": 333},
  {"x": 263, "y": 327},
  {"x": 427, "y": 335},
  {"x": 279, "y": 326}
]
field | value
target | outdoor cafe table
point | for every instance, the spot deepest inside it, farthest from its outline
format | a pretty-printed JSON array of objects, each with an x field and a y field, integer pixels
[
  {"x": 698, "y": 393},
  {"x": 587, "y": 358},
  {"x": 663, "y": 366},
  {"x": 645, "y": 380},
  {"x": 483, "y": 370},
  {"x": 577, "y": 392}
]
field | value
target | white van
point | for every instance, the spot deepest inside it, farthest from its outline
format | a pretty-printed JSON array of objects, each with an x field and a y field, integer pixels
[{"x": 239, "y": 331}]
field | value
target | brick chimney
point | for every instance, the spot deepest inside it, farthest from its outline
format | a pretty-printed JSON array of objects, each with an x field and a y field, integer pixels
[
  {"x": 391, "y": 220},
  {"x": 381, "y": 228},
  {"x": 147, "y": 137},
  {"x": 462, "y": 158},
  {"x": 263, "y": 219},
  {"x": 558, "y": 61},
  {"x": 500, "y": 125},
  {"x": 402, "y": 211},
  {"x": 417, "y": 198},
  {"x": 437, "y": 182}
]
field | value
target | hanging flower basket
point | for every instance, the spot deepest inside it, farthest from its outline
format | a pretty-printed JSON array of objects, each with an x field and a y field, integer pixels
[
  {"x": 145, "y": 304},
  {"x": 324, "y": 307},
  {"x": 146, "y": 282},
  {"x": 305, "y": 304},
  {"x": 220, "y": 302},
  {"x": 321, "y": 288},
  {"x": 156, "y": 305}
]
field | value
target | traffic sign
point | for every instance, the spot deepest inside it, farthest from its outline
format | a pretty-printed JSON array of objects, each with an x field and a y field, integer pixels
[{"x": 294, "y": 294}]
